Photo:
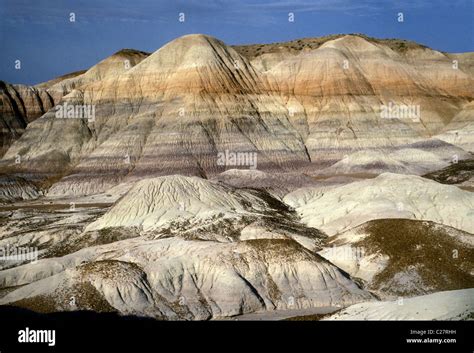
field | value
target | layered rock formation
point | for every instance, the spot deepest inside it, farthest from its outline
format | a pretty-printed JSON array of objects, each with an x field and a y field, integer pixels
[
  {"x": 20, "y": 105},
  {"x": 342, "y": 97},
  {"x": 115, "y": 64},
  {"x": 15, "y": 188},
  {"x": 205, "y": 181}
]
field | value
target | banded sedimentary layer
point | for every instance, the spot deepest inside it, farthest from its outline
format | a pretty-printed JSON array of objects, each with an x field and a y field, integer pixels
[{"x": 338, "y": 105}]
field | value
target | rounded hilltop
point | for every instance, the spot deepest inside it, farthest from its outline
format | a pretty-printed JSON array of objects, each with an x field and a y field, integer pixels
[{"x": 251, "y": 51}]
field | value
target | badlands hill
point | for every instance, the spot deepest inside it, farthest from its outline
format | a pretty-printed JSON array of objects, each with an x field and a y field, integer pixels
[
  {"x": 251, "y": 51},
  {"x": 299, "y": 110},
  {"x": 113, "y": 65},
  {"x": 401, "y": 257},
  {"x": 176, "y": 248},
  {"x": 336, "y": 209},
  {"x": 20, "y": 105},
  {"x": 461, "y": 173},
  {"x": 208, "y": 181}
]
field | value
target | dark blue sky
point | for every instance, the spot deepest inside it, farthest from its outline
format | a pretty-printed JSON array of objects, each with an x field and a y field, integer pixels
[{"x": 39, "y": 33}]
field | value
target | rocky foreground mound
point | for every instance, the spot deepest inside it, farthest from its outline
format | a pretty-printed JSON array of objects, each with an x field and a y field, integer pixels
[
  {"x": 402, "y": 257},
  {"x": 184, "y": 267},
  {"x": 450, "y": 305},
  {"x": 178, "y": 247},
  {"x": 335, "y": 210}
]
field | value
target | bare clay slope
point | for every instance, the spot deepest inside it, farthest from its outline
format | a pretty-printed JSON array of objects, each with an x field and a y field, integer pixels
[
  {"x": 401, "y": 257},
  {"x": 338, "y": 209},
  {"x": 23, "y": 104},
  {"x": 174, "y": 111},
  {"x": 20, "y": 105},
  {"x": 172, "y": 269},
  {"x": 171, "y": 113}
]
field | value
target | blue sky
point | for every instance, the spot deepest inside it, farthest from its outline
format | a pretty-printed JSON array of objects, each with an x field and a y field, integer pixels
[{"x": 39, "y": 32}]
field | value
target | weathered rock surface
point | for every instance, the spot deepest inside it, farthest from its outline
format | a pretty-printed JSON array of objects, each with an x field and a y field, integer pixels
[
  {"x": 190, "y": 233},
  {"x": 199, "y": 209},
  {"x": 180, "y": 248},
  {"x": 15, "y": 188},
  {"x": 115, "y": 64},
  {"x": 449, "y": 305},
  {"x": 401, "y": 257},
  {"x": 335, "y": 210},
  {"x": 173, "y": 278},
  {"x": 154, "y": 202},
  {"x": 460, "y": 173},
  {"x": 175, "y": 111},
  {"x": 20, "y": 105}
]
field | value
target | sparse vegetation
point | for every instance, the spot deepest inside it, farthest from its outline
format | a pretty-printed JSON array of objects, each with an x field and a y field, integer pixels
[
  {"x": 253, "y": 50},
  {"x": 456, "y": 173},
  {"x": 314, "y": 317},
  {"x": 88, "y": 298},
  {"x": 81, "y": 240},
  {"x": 40, "y": 304},
  {"x": 421, "y": 250}
]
